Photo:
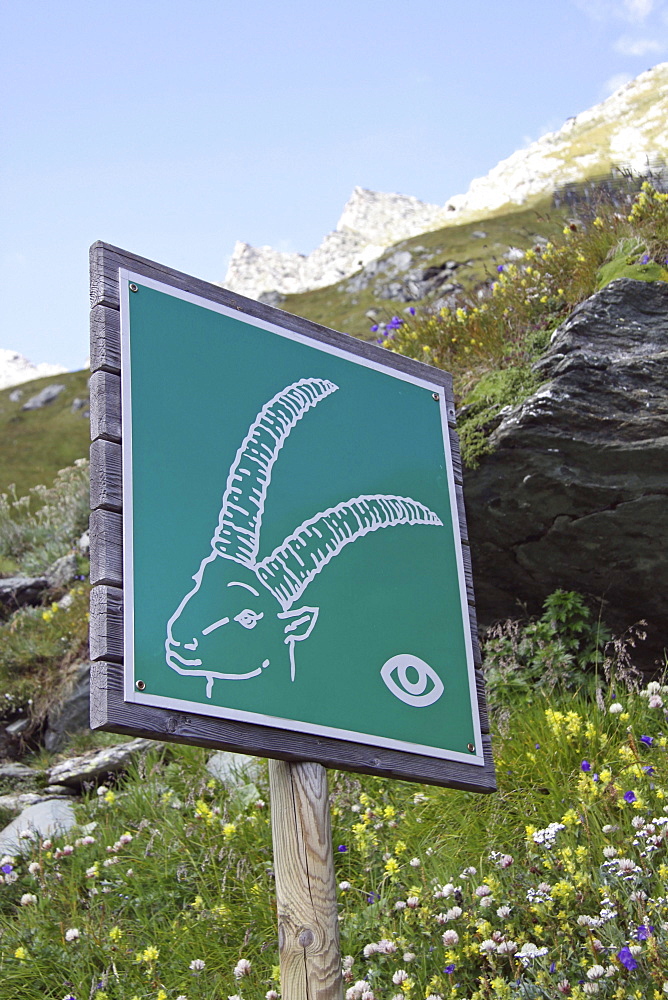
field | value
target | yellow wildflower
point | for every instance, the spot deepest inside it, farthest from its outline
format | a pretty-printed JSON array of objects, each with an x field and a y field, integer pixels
[{"x": 229, "y": 829}]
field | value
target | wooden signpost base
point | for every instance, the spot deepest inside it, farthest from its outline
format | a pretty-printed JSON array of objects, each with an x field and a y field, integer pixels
[{"x": 308, "y": 931}]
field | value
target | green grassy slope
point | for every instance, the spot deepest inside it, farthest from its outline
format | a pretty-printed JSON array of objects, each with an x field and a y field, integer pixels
[
  {"x": 343, "y": 310},
  {"x": 35, "y": 444}
]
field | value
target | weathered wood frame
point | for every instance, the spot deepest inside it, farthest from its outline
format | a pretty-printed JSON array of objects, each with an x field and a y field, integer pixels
[{"x": 109, "y": 711}]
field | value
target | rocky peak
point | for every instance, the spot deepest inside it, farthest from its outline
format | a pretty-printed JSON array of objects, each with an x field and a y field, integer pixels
[
  {"x": 15, "y": 369},
  {"x": 627, "y": 130}
]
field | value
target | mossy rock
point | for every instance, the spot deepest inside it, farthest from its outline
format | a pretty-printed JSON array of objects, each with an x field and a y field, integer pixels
[
  {"x": 621, "y": 267},
  {"x": 482, "y": 408}
]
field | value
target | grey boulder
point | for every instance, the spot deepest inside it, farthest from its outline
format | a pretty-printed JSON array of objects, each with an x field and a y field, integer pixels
[
  {"x": 575, "y": 493},
  {"x": 72, "y": 713},
  {"x": 43, "y": 819}
]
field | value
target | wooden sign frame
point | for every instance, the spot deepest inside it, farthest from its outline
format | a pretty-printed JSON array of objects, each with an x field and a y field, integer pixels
[{"x": 109, "y": 710}]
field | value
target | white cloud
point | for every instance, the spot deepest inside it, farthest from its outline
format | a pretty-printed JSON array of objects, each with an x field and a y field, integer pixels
[
  {"x": 628, "y": 46},
  {"x": 615, "y": 82},
  {"x": 638, "y": 10},
  {"x": 634, "y": 11}
]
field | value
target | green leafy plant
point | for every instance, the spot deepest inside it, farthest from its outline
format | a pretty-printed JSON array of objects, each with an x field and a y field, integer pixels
[
  {"x": 40, "y": 527},
  {"x": 564, "y": 648}
]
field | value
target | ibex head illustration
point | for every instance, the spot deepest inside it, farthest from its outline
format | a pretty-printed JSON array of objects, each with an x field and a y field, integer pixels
[{"x": 228, "y": 626}]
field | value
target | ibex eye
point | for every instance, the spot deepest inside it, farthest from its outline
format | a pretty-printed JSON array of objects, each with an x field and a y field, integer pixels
[
  {"x": 248, "y": 618},
  {"x": 413, "y": 677}
]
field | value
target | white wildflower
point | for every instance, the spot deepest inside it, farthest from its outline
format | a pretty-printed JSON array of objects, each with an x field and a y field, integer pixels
[
  {"x": 34, "y": 867},
  {"x": 609, "y": 851},
  {"x": 197, "y": 965},
  {"x": 616, "y": 708},
  {"x": 507, "y": 948},
  {"x": 415, "y": 862},
  {"x": 72, "y": 934},
  {"x": 241, "y": 969},
  {"x": 488, "y": 946},
  {"x": 344, "y": 886},
  {"x": 413, "y": 902},
  {"x": 400, "y": 976},
  {"x": 503, "y": 912},
  {"x": 595, "y": 972},
  {"x": 28, "y": 898},
  {"x": 450, "y": 938},
  {"x": 409, "y": 956}
]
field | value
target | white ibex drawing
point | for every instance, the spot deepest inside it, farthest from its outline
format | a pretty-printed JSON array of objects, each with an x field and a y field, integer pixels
[{"x": 229, "y": 618}]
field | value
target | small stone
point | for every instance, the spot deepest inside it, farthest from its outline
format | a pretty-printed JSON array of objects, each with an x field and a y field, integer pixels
[
  {"x": 17, "y": 591},
  {"x": 16, "y": 727},
  {"x": 62, "y": 571},
  {"x": 22, "y": 772},
  {"x": 92, "y": 766},
  {"x": 16, "y": 396},
  {"x": 43, "y": 398},
  {"x": 233, "y": 768}
]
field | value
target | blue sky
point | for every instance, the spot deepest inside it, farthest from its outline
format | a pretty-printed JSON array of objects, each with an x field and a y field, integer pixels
[{"x": 173, "y": 130}]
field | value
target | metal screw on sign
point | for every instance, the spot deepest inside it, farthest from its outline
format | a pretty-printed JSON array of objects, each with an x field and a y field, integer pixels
[
  {"x": 470, "y": 747},
  {"x": 134, "y": 288},
  {"x": 435, "y": 396},
  {"x": 140, "y": 685}
]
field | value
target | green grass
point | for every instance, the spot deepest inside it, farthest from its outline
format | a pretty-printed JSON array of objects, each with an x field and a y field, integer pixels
[
  {"x": 176, "y": 870},
  {"x": 35, "y": 444}
]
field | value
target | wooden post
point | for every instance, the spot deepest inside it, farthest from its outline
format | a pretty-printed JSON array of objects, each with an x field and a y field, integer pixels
[{"x": 308, "y": 930}]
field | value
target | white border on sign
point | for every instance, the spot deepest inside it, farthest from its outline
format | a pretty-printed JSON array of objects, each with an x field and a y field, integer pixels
[{"x": 133, "y": 696}]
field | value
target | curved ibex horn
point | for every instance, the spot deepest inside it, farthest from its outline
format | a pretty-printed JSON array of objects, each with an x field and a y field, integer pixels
[
  {"x": 238, "y": 533},
  {"x": 291, "y": 567}
]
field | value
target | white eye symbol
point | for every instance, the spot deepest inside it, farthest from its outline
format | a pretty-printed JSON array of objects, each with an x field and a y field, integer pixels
[
  {"x": 412, "y": 691},
  {"x": 248, "y": 618}
]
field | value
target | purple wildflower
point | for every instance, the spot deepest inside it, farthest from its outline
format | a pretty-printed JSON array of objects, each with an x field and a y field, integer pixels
[
  {"x": 374, "y": 328},
  {"x": 411, "y": 310},
  {"x": 645, "y": 259},
  {"x": 629, "y": 796},
  {"x": 647, "y": 740},
  {"x": 648, "y": 769},
  {"x": 373, "y": 897},
  {"x": 585, "y": 766},
  {"x": 342, "y": 848},
  {"x": 449, "y": 969},
  {"x": 499, "y": 268},
  {"x": 626, "y": 958},
  {"x": 594, "y": 777},
  {"x": 644, "y": 932},
  {"x": 6, "y": 869}
]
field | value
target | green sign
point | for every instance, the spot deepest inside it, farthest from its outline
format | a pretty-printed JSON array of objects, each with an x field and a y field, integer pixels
[{"x": 292, "y": 551}]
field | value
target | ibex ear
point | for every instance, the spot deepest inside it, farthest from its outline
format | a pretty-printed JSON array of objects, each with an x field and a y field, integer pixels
[{"x": 299, "y": 623}]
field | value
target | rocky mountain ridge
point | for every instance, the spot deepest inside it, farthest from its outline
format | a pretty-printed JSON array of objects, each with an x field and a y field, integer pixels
[
  {"x": 15, "y": 369},
  {"x": 627, "y": 131}
]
